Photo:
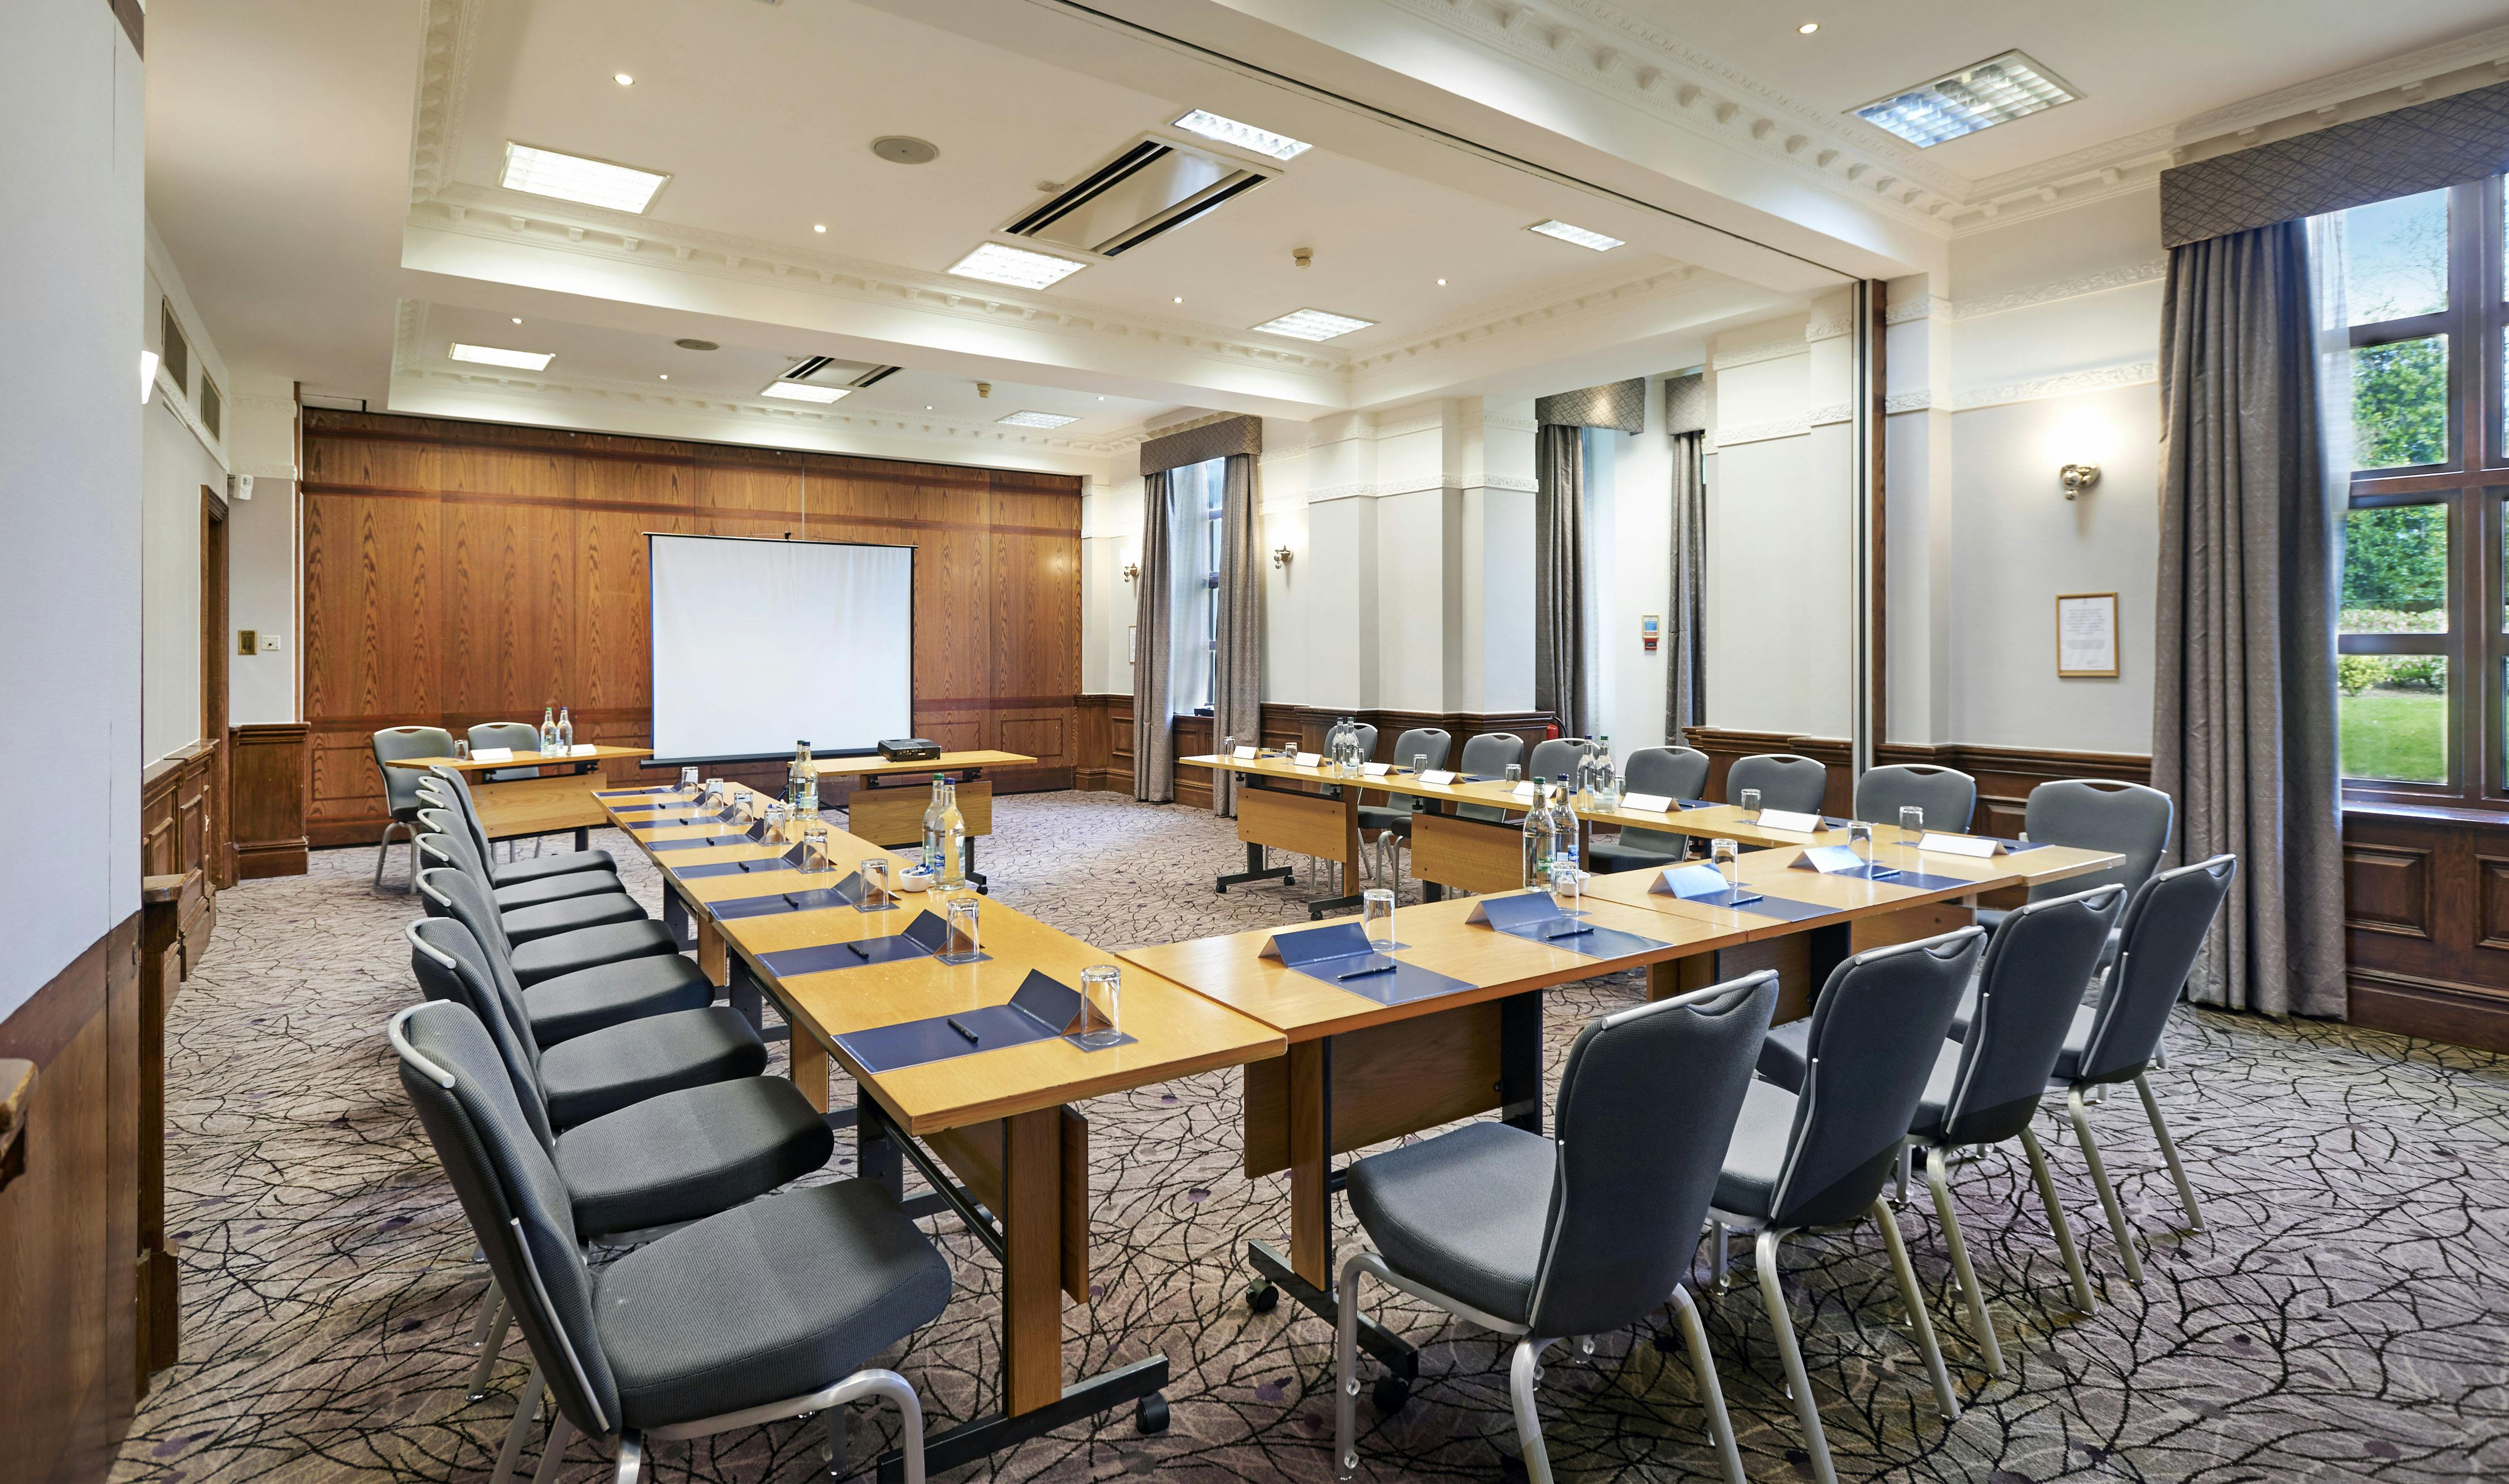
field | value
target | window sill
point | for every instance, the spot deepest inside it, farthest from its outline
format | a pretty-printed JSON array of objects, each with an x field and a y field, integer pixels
[{"x": 2454, "y": 814}]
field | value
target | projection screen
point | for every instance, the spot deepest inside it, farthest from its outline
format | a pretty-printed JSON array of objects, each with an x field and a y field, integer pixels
[{"x": 758, "y": 644}]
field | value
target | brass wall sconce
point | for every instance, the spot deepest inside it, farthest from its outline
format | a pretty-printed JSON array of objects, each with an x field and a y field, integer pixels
[
  {"x": 2078, "y": 477},
  {"x": 1132, "y": 570},
  {"x": 1282, "y": 556}
]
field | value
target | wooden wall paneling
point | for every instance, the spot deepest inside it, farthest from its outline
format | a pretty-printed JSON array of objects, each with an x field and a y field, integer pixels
[
  {"x": 749, "y": 491},
  {"x": 2426, "y": 923},
  {"x": 372, "y": 541},
  {"x": 266, "y": 780},
  {"x": 508, "y": 539}
]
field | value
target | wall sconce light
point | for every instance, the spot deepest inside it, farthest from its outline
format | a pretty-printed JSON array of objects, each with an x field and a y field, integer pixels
[
  {"x": 1282, "y": 556},
  {"x": 2078, "y": 477},
  {"x": 1133, "y": 569}
]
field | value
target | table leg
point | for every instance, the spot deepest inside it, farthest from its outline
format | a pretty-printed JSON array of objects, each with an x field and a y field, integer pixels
[
  {"x": 811, "y": 1070},
  {"x": 1255, "y": 870},
  {"x": 1826, "y": 947},
  {"x": 582, "y": 838},
  {"x": 741, "y": 990},
  {"x": 1032, "y": 1262},
  {"x": 714, "y": 955},
  {"x": 675, "y": 916},
  {"x": 1520, "y": 1060}
]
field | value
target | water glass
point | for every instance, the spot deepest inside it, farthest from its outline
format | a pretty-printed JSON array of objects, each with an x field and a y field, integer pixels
[
  {"x": 964, "y": 944},
  {"x": 1912, "y": 819},
  {"x": 814, "y": 849},
  {"x": 688, "y": 780},
  {"x": 1751, "y": 803},
  {"x": 1860, "y": 837},
  {"x": 1419, "y": 763},
  {"x": 1729, "y": 862},
  {"x": 1228, "y": 746},
  {"x": 1568, "y": 886},
  {"x": 1102, "y": 1007},
  {"x": 460, "y": 750},
  {"x": 714, "y": 790},
  {"x": 1376, "y": 917},
  {"x": 1515, "y": 772},
  {"x": 775, "y": 819},
  {"x": 876, "y": 897}
]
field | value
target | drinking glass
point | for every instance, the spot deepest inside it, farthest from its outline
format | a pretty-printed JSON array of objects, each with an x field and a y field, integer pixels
[
  {"x": 1228, "y": 746},
  {"x": 1751, "y": 803},
  {"x": 1860, "y": 837},
  {"x": 874, "y": 885},
  {"x": 1729, "y": 862},
  {"x": 460, "y": 749},
  {"x": 1419, "y": 763},
  {"x": 814, "y": 849},
  {"x": 1515, "y": 772},
  {"x": 1567, "y": 888},
  {"x": 964, "y": 944},
  {"x": 714, "y": 790},
  {"x": 689, "y": 780},
  {"x": 774, "y": 819},
  {"x": 1102, "y": 1007},
  {"x": 1912, "y": 819},
  {"x": 1376, "y": 917}
]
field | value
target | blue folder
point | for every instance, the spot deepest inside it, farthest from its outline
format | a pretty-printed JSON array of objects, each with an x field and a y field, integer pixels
[
  {"x": 1042, "y": 1008},
  {"x": 1337, "y": 954},
  {"x": 1536, "y": 918},
  {"x": 922, "y": 937}
]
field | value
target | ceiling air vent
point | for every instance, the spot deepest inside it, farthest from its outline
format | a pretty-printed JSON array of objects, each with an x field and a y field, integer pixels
[{"x": 1150, "y": 187}]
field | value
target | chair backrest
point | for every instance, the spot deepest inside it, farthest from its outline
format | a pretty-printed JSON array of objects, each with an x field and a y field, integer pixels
[
  {"x": 2097, "y": 814},
  {"x": 450, "y": 892},
  {"x": 1784, "y": 780},
  {"x": 452, "y": 837},
  {"x": 1425, "y": 742},
  {"x": 1948, "y": 795},
  {"x": 1555, "y": 756},
  {"x": 1367, "y": 735},
  {"x": 2163, "y": 930},
  {"x": 1876, "y": 1029},
  {"x": 521, "y": 736},
  {"x": 1487, "y": 755},
  {"x": 1676, "y": 772},
  {"x": 449, "y": 964},
  {"x": 1646, "y": 1109},
  {"x": 400, "y": 784},
  {"x": 517, "y": 1204},
  {"x": 2028, "y": 990},
  {"x": 452, "y": 780}
]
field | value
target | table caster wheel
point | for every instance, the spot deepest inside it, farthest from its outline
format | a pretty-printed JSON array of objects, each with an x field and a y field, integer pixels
[
  {"x": 1150, "y": 1415},
  {"x": 1262, "y": 1297},
  {"x": 1390, "y": 1394}
]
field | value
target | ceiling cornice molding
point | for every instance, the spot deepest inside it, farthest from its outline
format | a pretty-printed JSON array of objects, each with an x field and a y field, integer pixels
[
  {"x": 2336, "y": 88},
  {"x": 1484, "y": 324},
  {"x": 448, "y": 43},
  {"x": 1798, "y": 343},
  {"x": 1607, "y": 51},
  {"x": 2124, "y": 276}
]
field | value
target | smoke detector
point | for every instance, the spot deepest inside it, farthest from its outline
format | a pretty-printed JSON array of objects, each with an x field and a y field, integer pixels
[
  {"x": 1304, "y": 257},
  {"x": 905, "y": 149},
  {"x": 983, "y": 389}
]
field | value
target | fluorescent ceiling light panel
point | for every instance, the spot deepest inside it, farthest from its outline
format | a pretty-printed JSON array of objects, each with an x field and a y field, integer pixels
[
  {"x": 1996, "y": 91},
  {"x": 1313, "y": 324},
  {"x": 1015, "y": 265},
  {"x": 492, "y": 356},
  {"x": 1576, "y": 234},
  {"x": 573, "y": 177},
  {"x": 1036, "y": 419},
  {"x": 1261, "y": 141},
  {"x": 804, "y": 391}
]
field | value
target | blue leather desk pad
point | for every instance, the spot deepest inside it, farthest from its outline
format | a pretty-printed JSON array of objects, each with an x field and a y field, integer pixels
[
  {"x": 712, "y": 842},
  {"x": 785, "y": 861},
  {"x": 781, "y": 902},
  {"x": 1338, "y": 954},
  {"x": 1706, "y": 885},
  {"x": 1535, "y": 917},
  {"x": 1042, "y": 1008},
  {"x": 922, "y": 937}
]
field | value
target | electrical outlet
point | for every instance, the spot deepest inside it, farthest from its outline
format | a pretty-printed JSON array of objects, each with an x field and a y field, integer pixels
[
  {"x": 269, "y": 644},
  {"x": 246, "y": 643}
]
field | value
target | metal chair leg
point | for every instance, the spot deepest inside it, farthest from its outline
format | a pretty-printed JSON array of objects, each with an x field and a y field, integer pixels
[
  {"x": 1806, "y": 1412},
  {"x": 2122, "y": 1233},
  {"x": 631, "y": 1456},
  {"x": 492, "y": 1303},
  {"x": 1521, "y": 1374},
  {"x": 489, "y": 1351},
  {"x": 2047, "y": 1183},
  {"x": 2169, "y": 1152},
  {"x": 1981, "y": 1325},
  {"x": 1346, "y": 1369},
  {"x": 383, "y": 851},
  {"x": 1914, "y": 1297},
  {"x": 560, "y": 1434},
  {"x": 526, "y": 1412},
  {"x": 1711, "y": 1394}
]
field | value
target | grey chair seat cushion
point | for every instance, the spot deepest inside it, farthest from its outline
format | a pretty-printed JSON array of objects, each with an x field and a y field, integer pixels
[
  {"x": 1378, "y": 817},
  {"x": 611, "y": 1070},
  {"x": 546, "y": 889},
  {"x": 1783, "y": 1061},
  {"x": 1756, "y": 1154},
  {"x": 577, "y": 1004},
  {"x": 527, "y": 924},
  {"x": 1607, "y": 855},
  {"x": 1462, "y": 1213},
  {"x": 689, "y": 1155},
  {"x": 776, "y": 1299},
  {"x": 545, "y": 958},
  {"x": 534, "y": 867}
]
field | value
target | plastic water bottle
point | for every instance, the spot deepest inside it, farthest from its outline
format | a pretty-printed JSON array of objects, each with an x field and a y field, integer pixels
[
  {"x": 549, "y": 728},
  {"x": 565, "y": 729}
]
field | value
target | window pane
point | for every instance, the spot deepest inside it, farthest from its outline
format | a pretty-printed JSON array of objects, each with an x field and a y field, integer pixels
[
  {"x": 2395, "y": 257},
  {"x": 2395, "y": 570},
  {"x": 2392, "y": 711},
  {"x": 2400, "y": 403}
]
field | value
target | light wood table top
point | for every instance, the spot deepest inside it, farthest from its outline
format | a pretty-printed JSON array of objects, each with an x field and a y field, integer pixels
[
  {"x": 1772, "y": 872},
  {"x": 1176, "y": 1032},
  {"x": 946, "y": 762},
  {"x": 598, "y": 753}
]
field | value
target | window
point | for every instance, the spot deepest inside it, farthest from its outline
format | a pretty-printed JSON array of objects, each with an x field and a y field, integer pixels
[
  {"x": 2423, "y": 647},
  {"x": 176, "y": 352},
  {"x": 1196, "y": 493},
  {"x": 213, "y": 407}
]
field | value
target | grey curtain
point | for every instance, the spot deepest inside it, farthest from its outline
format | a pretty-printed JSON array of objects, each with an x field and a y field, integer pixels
[
  {"x": 2243, "y": 715},
  {"x": 1154, "y": 610},
  {"x": 1237, "y": 684},
  {"x": 1559, "y": 575},
  {"x": 1685, "y": 678}
]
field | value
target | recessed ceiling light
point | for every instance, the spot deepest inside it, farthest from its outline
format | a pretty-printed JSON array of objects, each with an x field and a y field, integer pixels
[
  {"x": 492, "y": 356},
  {"x": 804, "y": 391},
  {"x": 1261, "y": 141},
  {"x": 665, "y": 376},
  {"x": 574, "y": 178},
  {"x": 1036, "y": 419},
  {"x": 1180, "y": 298},
  {"x": 927, "y": 407},
  {"x": 1996, "y": 91},
  {"x": 1015, "y": 265},
  {"x": 1808, "y": 27},
  {"x": 819, "y": 226},
  {"x": 1313, "y": 324},
  {"x": 1101, "y": 396},
  {"x": 905, "y": 149},
  {"x": 1576, "y": 234},
  {"x": 1441, "y": 282},
  {"x": 622, "y": 79}
]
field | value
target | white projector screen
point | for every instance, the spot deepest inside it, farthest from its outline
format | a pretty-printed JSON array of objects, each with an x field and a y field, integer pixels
[{"x": 759, "y": 643}]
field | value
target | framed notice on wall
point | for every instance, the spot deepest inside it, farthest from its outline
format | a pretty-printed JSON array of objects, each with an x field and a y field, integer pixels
[{"x": 2086, "y": 635}]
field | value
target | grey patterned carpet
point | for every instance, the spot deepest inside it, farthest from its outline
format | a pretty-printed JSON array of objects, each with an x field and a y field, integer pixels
[{"x": 2344, "y": 1315}]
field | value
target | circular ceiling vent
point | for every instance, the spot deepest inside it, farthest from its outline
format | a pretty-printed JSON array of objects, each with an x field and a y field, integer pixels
[
  {"x": 696, "y": 345},
  {"x": 905, "y": 149}
]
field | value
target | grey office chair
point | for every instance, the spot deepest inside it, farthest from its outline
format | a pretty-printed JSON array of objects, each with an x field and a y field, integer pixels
[
  {"x": 1539, "y": 1240},
  {"x": 1393, "y": 822},
  {"x": 457, "y": 837},
  {"x": 451, "y": 892},
  {"x": 1784, "y": 780},
  {"x": 2096, "y": 814},
  {"x": 763, "y": 1312},
  {"x": 1486, "y": 756},
  {"x": 457, "y": 789},
  {"x": 1555, "y": 756},
  {"x": 1676, "y": 772},
  {"x": 524, "y": 925},
  {"x": 1948, "y": 795},
  {"x": 1818, "y": 1159},
  {"x": 568, "y": 1004},
  {"x": 1985, "y": 1090},
  {"x": 2118, "y": 1038},
  {"x": 400, "y": 786},
  {"x": 522, "y": 738}
]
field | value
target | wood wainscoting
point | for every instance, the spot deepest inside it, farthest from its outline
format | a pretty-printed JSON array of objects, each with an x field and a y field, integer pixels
[
  {"x": 266, "y": 799},
  {"x": 1105, "y": 760},
  {"x": 2427, "y": 922},
  {"x": 180, "y": 831},
  {"x": 458, "y": 573}
]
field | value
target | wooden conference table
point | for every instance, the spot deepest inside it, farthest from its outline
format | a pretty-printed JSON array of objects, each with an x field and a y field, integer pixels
[
  {"x": 892, "y": 814},
  {"x": 542, "y": 803},
  {"x": 992, "y": 1130},
  {"x": 1361, "y": 1070}
]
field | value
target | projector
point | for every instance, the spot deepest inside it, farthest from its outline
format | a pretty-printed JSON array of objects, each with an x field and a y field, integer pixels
[{"x": 909, "y": 749}]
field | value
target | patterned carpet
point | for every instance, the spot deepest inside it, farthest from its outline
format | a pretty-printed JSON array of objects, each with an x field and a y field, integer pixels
[{"x": 2344, "y": 1315}]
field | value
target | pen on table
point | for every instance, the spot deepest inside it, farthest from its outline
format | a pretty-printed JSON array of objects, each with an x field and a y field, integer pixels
[
  {"x": 1365, "y": 973},
  {"x": 859, "y": 952},
  {"x": 1569, "y": 932},
  {"x": 972, "y": 1038}
]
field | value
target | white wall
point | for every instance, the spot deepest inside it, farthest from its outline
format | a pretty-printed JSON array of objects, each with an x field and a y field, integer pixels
[
  {"x": 178, "y": 456},
  {"x": 70, "y": 233},
  {"x": 263, "y": 554}
]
